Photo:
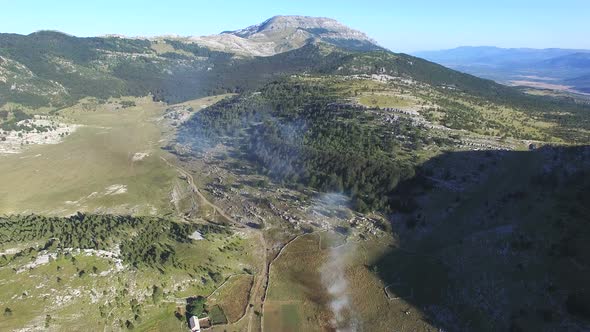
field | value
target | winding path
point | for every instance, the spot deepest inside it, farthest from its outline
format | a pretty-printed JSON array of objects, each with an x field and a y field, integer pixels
[
  {"x": 191, "y": 182},
  {"x": 260, "y": 284}
]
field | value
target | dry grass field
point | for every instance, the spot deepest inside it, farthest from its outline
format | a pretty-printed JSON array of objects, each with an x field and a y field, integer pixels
[
  {"x": 233, "y": 296},
  {"x": 302, "y": 294}
]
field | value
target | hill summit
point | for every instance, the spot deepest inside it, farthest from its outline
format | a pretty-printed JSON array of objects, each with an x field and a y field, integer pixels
[{"x": 285, "y": 33}]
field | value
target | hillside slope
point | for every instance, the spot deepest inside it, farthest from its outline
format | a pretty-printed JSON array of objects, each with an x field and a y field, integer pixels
[{"x": 497, "y": 241}]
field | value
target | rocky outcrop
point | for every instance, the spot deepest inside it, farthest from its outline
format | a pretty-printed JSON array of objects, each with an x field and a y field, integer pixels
[{"x": 284, "y": 33}]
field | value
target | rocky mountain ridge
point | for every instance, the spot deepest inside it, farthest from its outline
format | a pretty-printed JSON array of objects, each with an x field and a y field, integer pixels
[{"x": 284, "y": 33}]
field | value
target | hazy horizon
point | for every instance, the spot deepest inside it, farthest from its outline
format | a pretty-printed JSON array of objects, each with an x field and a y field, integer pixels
[{"x": 396, "y": 25}]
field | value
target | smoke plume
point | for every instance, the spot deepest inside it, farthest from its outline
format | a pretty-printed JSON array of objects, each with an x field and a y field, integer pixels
[{"x": 333, "y": 271}]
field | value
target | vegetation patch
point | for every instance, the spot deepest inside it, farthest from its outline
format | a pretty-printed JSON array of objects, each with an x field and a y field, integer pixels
[
  {"x": 217, "y": 315},
  {"x": 130, "y": 268},
  {"x": 285, "y": 131},
  {"x": 143, "y": 241},
  {"x": 233, "y": 296},
  {"x": 384, "y": 101},
  {"x": 291, "y": 317}
]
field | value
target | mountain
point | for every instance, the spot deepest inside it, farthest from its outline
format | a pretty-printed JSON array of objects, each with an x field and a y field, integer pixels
[
  {"x": 582, "y": 83},
  {"x": 52, "y": 68},
  {"x": 290, "y": 32},
  {"x": 490, "y": 55},
  {"x": 49, "y": 67},
  {"x": 292, "y": 175},
  {"x": 552, "y": 67},
  {"x": 580, "y": 60},
  {"x": 284, "y": 33}
]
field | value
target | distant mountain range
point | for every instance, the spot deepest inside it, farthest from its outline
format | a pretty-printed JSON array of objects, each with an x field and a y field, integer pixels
[
  {"x": 564, "y": 69},
  {"x": 53, "y": 68},
  {"x": 49, "y": 67}
]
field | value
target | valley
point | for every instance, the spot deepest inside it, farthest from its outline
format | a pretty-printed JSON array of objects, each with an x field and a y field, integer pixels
[{"x": 563, "y": 70}]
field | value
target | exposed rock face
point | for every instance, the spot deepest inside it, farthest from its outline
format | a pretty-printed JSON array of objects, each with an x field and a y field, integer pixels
[
  {"x": 284, "y": 33},
  {"x": 234, "y": 44},
  {"x": 318, "y": 26}
]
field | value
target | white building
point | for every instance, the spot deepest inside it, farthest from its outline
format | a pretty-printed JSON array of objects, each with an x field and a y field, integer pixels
[{"x": 194, "y": 324}]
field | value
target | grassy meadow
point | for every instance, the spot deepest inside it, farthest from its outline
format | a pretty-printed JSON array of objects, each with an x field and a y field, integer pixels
[{"x": 110, "y": 164}]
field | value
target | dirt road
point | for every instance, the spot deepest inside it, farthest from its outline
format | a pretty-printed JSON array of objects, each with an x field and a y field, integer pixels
[
  {"x": 190, "y": 180},
  {"x": 260, "y": 284}
]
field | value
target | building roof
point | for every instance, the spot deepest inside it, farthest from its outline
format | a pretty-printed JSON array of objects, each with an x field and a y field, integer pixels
[{"x": 194, "y": 324}]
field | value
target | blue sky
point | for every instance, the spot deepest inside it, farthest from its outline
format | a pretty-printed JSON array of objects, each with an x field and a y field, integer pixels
[{"x": 403, "y": 26}]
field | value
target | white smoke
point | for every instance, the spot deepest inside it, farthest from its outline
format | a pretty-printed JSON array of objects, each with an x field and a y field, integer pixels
[
  {"x": 333, "y": 274},
  {"x": 333, "y": 271}
]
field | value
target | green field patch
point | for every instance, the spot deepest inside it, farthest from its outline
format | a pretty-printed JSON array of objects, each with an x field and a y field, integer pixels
[
  {"x": 295, "y": 274},
  {"x": 272, "y": 316},
  {"x": 217, "y": 315},
  {"x": 283, "y": 317},
  {"x": 305, "y": 243},
  {"x": 233, "y": 296},
  {"x": 297, "y": 298},
  {"x": 162, "y": 318},
  {"x": 384, "y": 101}
]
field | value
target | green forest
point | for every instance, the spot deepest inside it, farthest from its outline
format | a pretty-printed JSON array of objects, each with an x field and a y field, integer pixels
[
  {"x": 143, "y": 241},
  {"x": 297, "y": 134}
]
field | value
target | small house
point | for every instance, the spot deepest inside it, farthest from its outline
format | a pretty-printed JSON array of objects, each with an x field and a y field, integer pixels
[{"x": 194, "y": 324}]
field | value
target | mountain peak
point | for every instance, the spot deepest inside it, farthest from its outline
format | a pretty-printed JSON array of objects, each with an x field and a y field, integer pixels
[
  {"x": 283, "y": 22},
  {"x": 290, "y": 32}
]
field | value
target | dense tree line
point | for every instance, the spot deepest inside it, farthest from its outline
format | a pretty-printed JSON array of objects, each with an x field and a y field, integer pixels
[{"x": 143, "y": 241}]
